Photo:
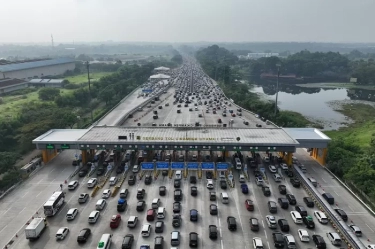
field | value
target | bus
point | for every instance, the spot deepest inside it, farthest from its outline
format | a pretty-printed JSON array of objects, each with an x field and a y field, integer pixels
[
  {"x": 30, "y": 167},
  {"x": 54, "y": 203}
]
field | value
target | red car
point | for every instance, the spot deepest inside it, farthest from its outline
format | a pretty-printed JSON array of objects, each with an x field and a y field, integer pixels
[
  {"x": 249, "y": 205},
  {"x": 115, "y": 221},
  {"x": 233, "y": 115}
]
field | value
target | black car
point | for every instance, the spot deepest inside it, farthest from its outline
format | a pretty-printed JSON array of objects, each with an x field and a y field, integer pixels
[
  {"x": 342, "y": 214},
  {"x": 193, "y": 179},
  {"x": 232, "y": 225},
  {"x": 83, "y": 235},
  {"x": 278, "y": 239},
  {"x": 177, "y": 183},
  {"x": 223, "y": 184},
  {"x": 213, "y": 209},
  {"x": 100, "y": 171},
  {"x": 127, "y": 243},
  {"x": 309, "y": 201},
  {"x": 308, "y": 221},
  {"x": 292, "y": 199},
  {"x": 319, "y": 241},
  {"x": 162, "y": 190},
  {"x": 209, "y": 175},
  {"x": 301, "y": 210},
  {"x": 131, "y": 180},
  {"x": 141, "y": 205},
  {"x": 82, "y": 172},
  {"x": 159, "y": 226},
  {"x": 119, "y": 169},
  {"x": 176, "y": 220},
  {"x": 194, "y": 191},
  {"x": 257, "y": 173},
  {"x": 282, "y": 189},
  {"x": 176, "y": 207},
  {"x": 159, "y": 241},
  {"x": 193, "y": 239},
  {"x": 148, "y": 180},
  {"x": 212, "y": 231},
  {"x": 295, "y": 182},
  {"x": 266, "y": 191}
]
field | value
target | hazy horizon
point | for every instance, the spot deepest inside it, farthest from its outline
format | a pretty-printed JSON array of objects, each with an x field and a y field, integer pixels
[{"x": 170, "y": 21}]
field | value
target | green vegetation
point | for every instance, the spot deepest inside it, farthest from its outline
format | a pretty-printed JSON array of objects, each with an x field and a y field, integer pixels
[
  {"x": 219, "y": 63},
  {"x": 82, "y": 78}
]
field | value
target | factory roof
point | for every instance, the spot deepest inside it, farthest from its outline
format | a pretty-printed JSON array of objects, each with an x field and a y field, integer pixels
[
  {"x": 10, "y": 82},
  {"x": 160, "y": 76},
  {"x": 162, "y": 68},
  {"x": 51, "y": 81},
  {"x": 33, "y": 64}
]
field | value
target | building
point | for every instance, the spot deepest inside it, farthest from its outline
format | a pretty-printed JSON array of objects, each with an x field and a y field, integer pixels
[
  {"x": 261, "y": 55},
  {"x": 162, "y": 69},
  {"x": 158, "y": 77},
  {"x": 55, "y": 83},
  {"x": 9, "y": 85},
  {"x": 35, "y": 68}
]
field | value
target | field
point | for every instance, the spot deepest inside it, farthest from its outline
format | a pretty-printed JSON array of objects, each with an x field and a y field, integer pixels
[
  {"x": 83, "y": 77},
  {"x": 363, "y": 130}
]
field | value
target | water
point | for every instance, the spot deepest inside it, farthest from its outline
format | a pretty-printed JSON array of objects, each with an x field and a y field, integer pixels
[{"x": 313, "y": 103}]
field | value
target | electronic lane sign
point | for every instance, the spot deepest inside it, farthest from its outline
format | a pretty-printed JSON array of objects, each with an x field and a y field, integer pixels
[
  {"x": 177, "y": 165},
  {"x": 222, "y": 166},
  {"x": 50, "y": 146},
  {"x": 192, "y": 165},
  {"x": 147, "y": 166},
  {"x": 65, "y": 146},
  {"x": 162, "y": 165},
  {"x": 208, "y": 166}
]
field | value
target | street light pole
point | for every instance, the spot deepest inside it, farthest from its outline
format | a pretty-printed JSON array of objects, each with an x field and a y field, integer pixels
[
  {"x": 277, "y": 86},
  {"x": 88, "y": 78}
]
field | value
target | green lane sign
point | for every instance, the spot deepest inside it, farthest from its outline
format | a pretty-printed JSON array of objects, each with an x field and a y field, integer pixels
[
  {"x": 65, "y": 146},
  {"x": 50, "y": 146}
]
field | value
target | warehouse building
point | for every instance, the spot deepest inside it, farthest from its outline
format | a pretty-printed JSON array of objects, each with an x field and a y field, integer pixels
[
  {"x": 55, "y": 83},
  {"x": 35, "y": 68},
  {"x": 10, "y": 85}
]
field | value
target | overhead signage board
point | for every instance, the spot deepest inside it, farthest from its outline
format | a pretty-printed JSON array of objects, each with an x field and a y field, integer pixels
[
  {"x": 177, "y": 165},
  {"x": 192, "y": 165},
  {"x": 208, "y": 166},
  {"x": 147, "y": 166},
  {"x": 222, "y": 166},
  {"x": 162, "y": 165},
  {"x": 65, "y": 146},
  {"x": 50, "y": 146}
]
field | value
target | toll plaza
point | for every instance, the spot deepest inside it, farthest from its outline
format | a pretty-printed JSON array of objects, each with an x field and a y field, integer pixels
[{"x": 176, "y": 144}]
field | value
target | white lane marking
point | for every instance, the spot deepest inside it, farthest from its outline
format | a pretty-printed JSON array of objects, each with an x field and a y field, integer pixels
[
  {"x": 3, "y": 228},
  {"x": 369, "y": 227},
  {"x": 22, "y": 210},
  {"x": 52, "y": 170},
  {"x": 64, "y": 169},
  {"x": 40, "y": 181},
  {"x": 263, "y": 225},
  {"x": 313, "y": 169},
  {"x": 265, "y": 233},
  {"x": 7, "y": 210},
  {"x": 351, "y": 208},
  {"x": 324, "y": 180},
  {"x": 336, "y": 193},
  {"x": 24, "y": 194},
  {"x": 39, "y": 194},
  {"x": 268, "y": 243},
  {"x": 221, "y": 243}
]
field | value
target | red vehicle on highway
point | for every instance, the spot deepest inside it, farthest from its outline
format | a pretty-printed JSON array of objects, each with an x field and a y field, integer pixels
[{"x": 115, "y": 221}]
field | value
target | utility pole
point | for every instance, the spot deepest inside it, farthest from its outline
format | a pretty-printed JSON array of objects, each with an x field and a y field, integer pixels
[
  {"x": 277, "y": 86},
  {"x": 88, "y": 78}
]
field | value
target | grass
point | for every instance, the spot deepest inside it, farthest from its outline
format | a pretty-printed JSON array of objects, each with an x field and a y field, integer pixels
[
  {"x": 362, "y": 130},
  {"x": 82, "y": 78}
]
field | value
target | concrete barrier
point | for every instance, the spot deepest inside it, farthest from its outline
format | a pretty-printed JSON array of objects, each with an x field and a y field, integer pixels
[
  {"x": 115, "y": 190},
  {"x": 93, "y": 193}
]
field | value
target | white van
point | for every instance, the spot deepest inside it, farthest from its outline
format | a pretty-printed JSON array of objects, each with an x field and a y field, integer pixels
[
  {"x": 334, "y": 238},
  {"x": 290, "y": 241},
  {"x": 146, "y": 230},
  {"x": 178, "y": 174},
  {"x": 105, "y": 241},
  {"x": 94, "y": 216},
  {"x": 155, "y": 203},
  {"x": 242, "y": 178},
  {"x": 112, "y": 180},
  {"x": 297, "y": 218},
  {"x": 132, "y": 221},
  {"x": 71, "y": 214},
  {"x": 160, "y": 214},
  {"x": 100, "y": 204},
  {"x": 224, "y": 198}
]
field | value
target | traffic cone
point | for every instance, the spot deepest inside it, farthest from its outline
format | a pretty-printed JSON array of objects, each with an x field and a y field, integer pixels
[{"x": 16, "y": 236}]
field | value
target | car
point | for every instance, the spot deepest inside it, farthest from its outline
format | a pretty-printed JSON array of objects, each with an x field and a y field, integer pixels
[
  {"x": 244, "y": 188},
  {"x": 159, "y": 241},
  {"x": 257, "y": 243},
  {"x": 127, "y": 242},
  {"x": 140, "y": 193},
  {"x": 284, "y": 167},
  {"x": 209, "y": 174},
  {"x": 193, "y": 239},
  {"x": 296, "y": 217},
  {"x": 82, "y": 172},
  {"x": 159, "y": 226},
  {"x": 148, "y": 179},
  {"x": 223, "y": 184},
  {"x": 213, "y": 232},
  {"x": 295, "y": 182},
  {"x": 131, "y": 180},
  {"x": 92, "y": 182},
  {"x": 213, "y": 209},
  {"x": 73, "y": 185},
  {"x": 272, "y": 168},
  {"x": 83, "y": 198},
  {"x": 212, "y": 196},
  {"x": 254, "y": 224},
  {"x": 193, "y": 215},
  {"x": 322, "y": 218},
  {"x": 271, "y": 221},
  {"x": 71, "y": 214},
  {"x": 141, "y": 206},
  {"x": 342, "y": 214},
  {"x": 356, "y": 230},
  {"x": 319, "y": 241},
  {"x": 246, "y": 122},
  {"x": 106, "y": 194},
  {"x": 194, "y": 190},
  {"x": 278, "y": 239},
  {"x": 210, "y": 184},
  {"x": 176, "y": 207},
  {"x": 232, "y": 225},
  {"x": 313, "y": 181},
  {"x": 301, "y": 210},
  {"x": 162, "y": 190},
  {"x": 308, "y": 201},
  {"x": 308, "y": 221},
  {"x": 115, "y": 221},
  {"x": 144, "y": 246},
  {"x": 193, "y": 179},
  {"x": 283, "y": 224},
  {"x": 176, "y": 220},
  {"x": 282, "y": 189},
  {"x": 303, "y": 235},
  {"x": 249, "y": 204},
  {"x": 83, "y": 235},
  {"x": 177, "y": 183},
  {"x": 292, "y": 199},
  {"x": 62, "y": 233}
]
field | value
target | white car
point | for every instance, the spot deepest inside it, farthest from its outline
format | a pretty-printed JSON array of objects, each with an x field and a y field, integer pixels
[
  {"x": 135, "y": 169},
  {"x": 83, "y": 198},
  {"x": 257, "y": 243},
  {"x": 272, "y": 168},
  {"x": 322, "y": 218},
  {"x": 297, "y": 218},
  {"x": 284, "y": 166},
  {"x": 210, "y": 184},
  {"x": 266, "y": 159},
  {"x": 71, "y": 214},
  {"x": 106, "y": 194},
  {"x": 271, "y": 221},
  {"x": 61, "y": 233},
  {"x": 73, "y": 185},
  {"x": 356, "y": 230},
  {"x": 303, "y": 168},
  {"x": 92, "y": 183},
  {"x": 303, "y": 235}
]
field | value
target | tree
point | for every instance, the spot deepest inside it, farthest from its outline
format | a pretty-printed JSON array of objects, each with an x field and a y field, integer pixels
[
  {"x": 48, "y": 93},
  {"x": 107, "y": 95}
]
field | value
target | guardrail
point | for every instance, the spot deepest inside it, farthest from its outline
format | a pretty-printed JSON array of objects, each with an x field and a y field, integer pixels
[{"x": 341, "y": 227}]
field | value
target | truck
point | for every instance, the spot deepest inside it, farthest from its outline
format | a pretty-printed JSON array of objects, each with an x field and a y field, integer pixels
[{"x": 35, "y": 228}]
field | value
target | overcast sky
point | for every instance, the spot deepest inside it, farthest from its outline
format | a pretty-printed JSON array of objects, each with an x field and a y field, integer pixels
[{"x": 187, "y": 20}]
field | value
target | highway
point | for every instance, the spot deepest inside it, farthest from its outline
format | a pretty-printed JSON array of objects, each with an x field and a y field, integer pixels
[{"x": 17, "y": 208}]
